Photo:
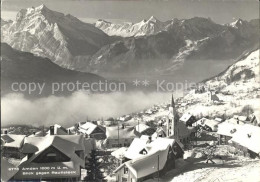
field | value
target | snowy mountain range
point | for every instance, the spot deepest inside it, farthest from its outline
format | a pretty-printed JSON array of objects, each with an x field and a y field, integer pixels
[
  {"x": 175, "y": 47},
  {"x": 128, "y": 29},
  {"x": 64, "y": 39}
]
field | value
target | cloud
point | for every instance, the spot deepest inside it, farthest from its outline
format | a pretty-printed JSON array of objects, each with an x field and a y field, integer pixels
[{"x": 16, "y": 109}]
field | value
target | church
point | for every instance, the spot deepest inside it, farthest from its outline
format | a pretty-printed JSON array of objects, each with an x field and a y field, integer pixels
[{"x": 175, "y": 128}]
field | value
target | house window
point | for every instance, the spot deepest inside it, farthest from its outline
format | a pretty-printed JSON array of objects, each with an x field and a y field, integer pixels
[
  {"x": 125, "y": 170},
  {"x": 51, "y": 154}
]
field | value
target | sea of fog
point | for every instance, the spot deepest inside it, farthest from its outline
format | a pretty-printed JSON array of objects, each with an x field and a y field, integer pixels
[{"x": 66, "y": 111}]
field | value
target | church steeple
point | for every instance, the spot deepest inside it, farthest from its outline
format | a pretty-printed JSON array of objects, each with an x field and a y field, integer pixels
[
  {"x": 171, "y": 120},
  {"x": 172, "y": 104}
]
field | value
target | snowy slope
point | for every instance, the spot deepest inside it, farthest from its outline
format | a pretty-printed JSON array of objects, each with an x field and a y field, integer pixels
[
  {"x": 246, "y": 71},
  {"x": 62, "y": 38},
  {"x": 145, "y": 27}
]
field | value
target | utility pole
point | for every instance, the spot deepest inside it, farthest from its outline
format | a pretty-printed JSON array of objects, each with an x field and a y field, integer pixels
[{"x": 158, "y": 169}]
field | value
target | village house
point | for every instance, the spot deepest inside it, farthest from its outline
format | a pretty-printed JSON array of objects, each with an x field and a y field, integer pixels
[
  {"x": 226, "y": 131},
  {"x": 246, "y": 140},
  {"x": 160, "y": 132},
  {"x": 148, "y": 159},
  {"x": 57, "y": 130},
  {"x": 143, "y": 145},
  {"x": 11, "y": 145},
  {"x": 188, "y": 119},
  {"x": 54, "y": 158},
  {"x": 93, "y": 131},
  {"x": 119, "y": 136},
  {"x": 207, "y": 124}
]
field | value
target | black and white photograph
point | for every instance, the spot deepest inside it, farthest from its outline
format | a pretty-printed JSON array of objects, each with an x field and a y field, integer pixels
[{"x": 130, "y": 91}]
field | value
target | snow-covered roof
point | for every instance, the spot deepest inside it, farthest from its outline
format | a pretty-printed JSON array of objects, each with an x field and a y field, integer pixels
[
  {"x": 88, "y": 128},
  {"x": 227, "y": 129},
  {"x": 159, "y": 131},
  {"x": 127, "y": 132},
  {"x": 11, "y": 140},
  {"x": 213, "y": 124},
  {"x": 235, "y": 121},
  {"x": 147, "y": 164},
  {"x": 38, "y": 134},
  {"x": 218, "y": 119},
  {"x": 243, "y": 118},
  {"x": 67, "y": 144},
  {"x": 249, "y": 137},
  {"x": 141, "y": 127},
  {"x": 119, "y": 153},
  {"x": 136, "y": 146},
  {"x": 185, "y": 117},
  {"x": 139, "y": 144},
  {"x": 58, "y": 130}
]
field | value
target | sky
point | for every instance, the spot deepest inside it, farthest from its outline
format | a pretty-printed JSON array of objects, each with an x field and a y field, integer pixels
[{"x": 220, "y": 11}]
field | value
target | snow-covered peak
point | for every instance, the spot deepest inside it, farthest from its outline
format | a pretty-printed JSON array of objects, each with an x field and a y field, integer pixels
[
  {"x": 153, "y": 19},
  {"x": 236, "y": 24},
  {"x": 128, "y": 29}
]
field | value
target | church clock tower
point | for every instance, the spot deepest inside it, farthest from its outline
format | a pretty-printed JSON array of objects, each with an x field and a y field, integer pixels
[{"x": 172, "y": 121}]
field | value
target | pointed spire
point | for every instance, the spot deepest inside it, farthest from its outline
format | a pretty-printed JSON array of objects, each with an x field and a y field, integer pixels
[{"x": 172, "y": 104}]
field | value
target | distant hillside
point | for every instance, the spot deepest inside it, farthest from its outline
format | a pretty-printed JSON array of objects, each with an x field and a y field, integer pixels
[{"x": 17, "y": 66}]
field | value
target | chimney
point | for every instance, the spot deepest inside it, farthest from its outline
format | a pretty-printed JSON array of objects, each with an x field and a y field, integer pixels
[
  {"x": 149, "y": 139},
  {"x": 5, "y": 132},
  {"x": 51, "y": 130}
]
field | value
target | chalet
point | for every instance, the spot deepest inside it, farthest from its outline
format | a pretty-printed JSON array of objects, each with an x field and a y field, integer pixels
[
  {"x": 207, "y": 124},
  {"x": 141, "y": 146},
  {"x": 54, "y": 158},
  {"x": 57, "y": 130},
  {"x": 144, "y": 129},
  {"x": 160, "y": 132},
  {"x": 226, "y": 131},
  {"x": 93, "y": 131},
  {"x": 154, "y": 159},
  {"x": 119, "y": 136},
  {"x": 188, "y": 119},
  {"x": 11, "y": 145},
  {"x": 246, "y": 139}
]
